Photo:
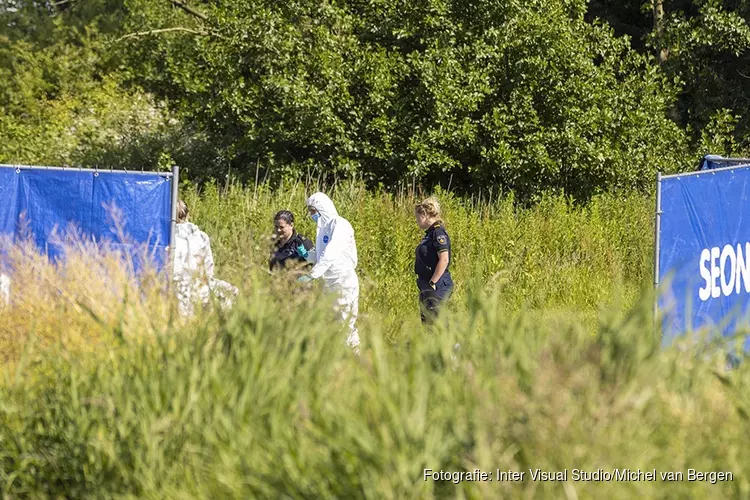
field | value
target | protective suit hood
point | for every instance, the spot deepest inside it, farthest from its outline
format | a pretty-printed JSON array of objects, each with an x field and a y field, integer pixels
[
  {"x": 335, "y": 247},
  {"x": 325, "y": 207}
]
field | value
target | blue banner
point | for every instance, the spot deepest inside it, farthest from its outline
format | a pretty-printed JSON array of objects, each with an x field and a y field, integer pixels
[
  {"x": 127, "y": 211},
  {"x": 704, "y": 252},
  {"x": 710, "y": 162}
]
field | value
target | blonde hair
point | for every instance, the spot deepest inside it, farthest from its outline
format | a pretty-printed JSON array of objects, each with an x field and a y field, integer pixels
[
  {"x": 182, "y": 211},
  {"x": 429, "y": 207}
]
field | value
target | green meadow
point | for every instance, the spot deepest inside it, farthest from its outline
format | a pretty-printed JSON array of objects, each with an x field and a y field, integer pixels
[{"x": 108, "y": 393}]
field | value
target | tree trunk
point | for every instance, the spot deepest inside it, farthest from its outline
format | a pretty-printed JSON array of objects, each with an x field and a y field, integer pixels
[{"x": 662, "y": 52}]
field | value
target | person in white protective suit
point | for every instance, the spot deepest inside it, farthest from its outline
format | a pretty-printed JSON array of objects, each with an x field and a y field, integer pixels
[
  {"x": 4, "y": 289},
  {"x": 194, "y": 266},
  {"x": 335, "y": 259}
]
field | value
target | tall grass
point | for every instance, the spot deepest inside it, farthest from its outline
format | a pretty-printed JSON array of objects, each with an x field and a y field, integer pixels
[
  {"x": 559, "y": 366},
  {"x": 267, "y": 402},
  {"x": 555, "y": 258},
  {"x": 92, "y": 290}
]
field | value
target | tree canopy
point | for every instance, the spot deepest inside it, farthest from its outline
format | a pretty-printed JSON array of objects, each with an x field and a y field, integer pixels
[{"x": 529, "y": 96}]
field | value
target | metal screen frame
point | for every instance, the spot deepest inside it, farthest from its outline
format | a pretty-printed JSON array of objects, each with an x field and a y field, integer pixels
[
  {"x": 173, "y": 176},
  {"x": 657, "y": 242}
]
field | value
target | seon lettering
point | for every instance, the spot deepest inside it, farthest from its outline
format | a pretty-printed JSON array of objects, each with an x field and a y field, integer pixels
[{"x": 725, "y": 271}]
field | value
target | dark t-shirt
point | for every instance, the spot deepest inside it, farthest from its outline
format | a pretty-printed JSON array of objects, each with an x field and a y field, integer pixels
[
  {"x": 288, "y": 255},
  {"x": 435, "y": 241}
]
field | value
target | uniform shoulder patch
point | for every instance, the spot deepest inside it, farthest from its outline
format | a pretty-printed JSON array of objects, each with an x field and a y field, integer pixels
[{"x": 441, "y": 239}]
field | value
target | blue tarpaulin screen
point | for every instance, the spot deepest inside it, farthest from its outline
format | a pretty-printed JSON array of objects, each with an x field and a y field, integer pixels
[
  {"x": 710, "y": 162},
  {"x": 704, "y": 252},
  {"x": 42, "y": 202}
]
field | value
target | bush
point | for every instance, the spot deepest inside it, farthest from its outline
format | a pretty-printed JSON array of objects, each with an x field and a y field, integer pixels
[{"x": 526, "y": 97}]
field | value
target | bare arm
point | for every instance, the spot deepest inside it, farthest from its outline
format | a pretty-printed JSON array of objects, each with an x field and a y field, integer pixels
[{"x": 442, "y": 265}]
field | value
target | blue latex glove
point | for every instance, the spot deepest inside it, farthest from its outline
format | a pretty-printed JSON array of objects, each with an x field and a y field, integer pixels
[
  {"x": 302, "y": 251},
  {"x": 304, "y": 279}
]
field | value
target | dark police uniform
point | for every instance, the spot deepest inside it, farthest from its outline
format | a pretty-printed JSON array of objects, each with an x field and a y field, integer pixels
[
  {"x": 435, "y": 241},
  {"x": 292, "y": 252}
]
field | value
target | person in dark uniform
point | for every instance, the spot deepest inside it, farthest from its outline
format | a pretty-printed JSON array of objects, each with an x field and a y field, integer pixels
[
  {"x": 291, "y": 249},
  {"x": 433, "y": 257}
]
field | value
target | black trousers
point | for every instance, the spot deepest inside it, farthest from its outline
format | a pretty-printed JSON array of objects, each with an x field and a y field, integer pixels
[{"x": 431, "y": 300}]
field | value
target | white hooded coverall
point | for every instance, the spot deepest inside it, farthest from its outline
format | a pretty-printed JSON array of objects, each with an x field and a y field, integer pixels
[
  {"x": 335, "y": 260},
  {"x": 4, "y": 289},
  {"x": 194, "y": 269}
]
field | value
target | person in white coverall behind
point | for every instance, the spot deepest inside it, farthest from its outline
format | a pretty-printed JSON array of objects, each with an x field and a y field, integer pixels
[
  {"x": 4, "y": 289},
  {"x": 335, "y": 260},
  {"x": 194, "y": 266}
]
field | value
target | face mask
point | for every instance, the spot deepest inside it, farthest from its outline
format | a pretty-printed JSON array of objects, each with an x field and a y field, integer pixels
[{"x": 315, "y": 217}]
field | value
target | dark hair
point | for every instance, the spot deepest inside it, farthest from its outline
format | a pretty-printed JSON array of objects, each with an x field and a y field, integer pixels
[{"x": 284, "y": 215}]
